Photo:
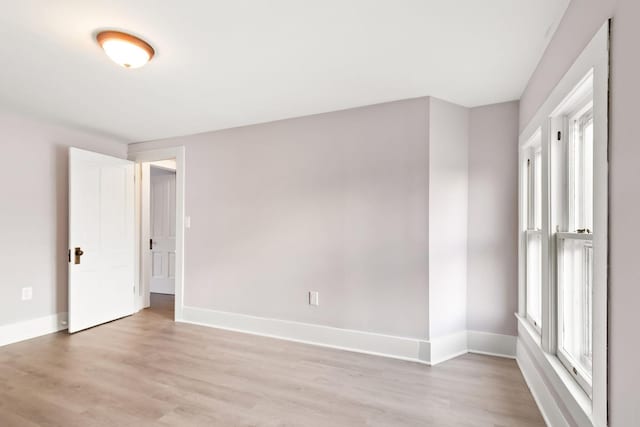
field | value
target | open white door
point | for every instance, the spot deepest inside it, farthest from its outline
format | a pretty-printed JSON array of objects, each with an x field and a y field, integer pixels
[
  {"x": 101, "y": 239},
  {"x": 163, "y": 231}
]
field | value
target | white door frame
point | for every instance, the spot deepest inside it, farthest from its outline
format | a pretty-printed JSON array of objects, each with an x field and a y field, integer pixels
[{"x": 142, "y": 224}]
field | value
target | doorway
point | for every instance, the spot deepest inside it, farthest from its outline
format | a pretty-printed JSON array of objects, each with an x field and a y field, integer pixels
[
  {"x": 162, "y": 226},
  {"x": 160, "y": 230}
]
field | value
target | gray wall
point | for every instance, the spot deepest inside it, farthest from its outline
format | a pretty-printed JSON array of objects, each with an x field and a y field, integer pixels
[
  {"x": 34, "y": 211},
  {"x": 492, "y": 269},
  {"x": 448, "y": 199},
  {"x": 335, "y": 202},
  {"x": 581, "y": 21}
]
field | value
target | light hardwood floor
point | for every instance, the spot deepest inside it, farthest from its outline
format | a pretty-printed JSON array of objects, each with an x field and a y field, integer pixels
[{"x": 146, "y": 370}]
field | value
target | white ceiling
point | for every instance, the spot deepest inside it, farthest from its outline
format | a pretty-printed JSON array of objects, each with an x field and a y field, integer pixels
[{"x": 222, "y": 64}]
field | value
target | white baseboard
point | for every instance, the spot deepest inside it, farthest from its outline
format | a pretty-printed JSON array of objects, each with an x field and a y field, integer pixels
[
  {"x": 492, "y": 344},
  {"x": 417, "y": 350},
  {"x": 487, "y": 343},
  {"x": 430, "y": 352},
  {"x": 33, "y": 328},
  {"x": 448, "y": 347},
  {"x": 411, "y": 349},
  {"x": 549, "y": 409}
]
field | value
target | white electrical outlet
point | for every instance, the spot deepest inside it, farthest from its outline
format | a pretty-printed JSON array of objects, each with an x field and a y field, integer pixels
[
  {"x": 314, "y": 298},
  {"x": 27, "y": 293}
]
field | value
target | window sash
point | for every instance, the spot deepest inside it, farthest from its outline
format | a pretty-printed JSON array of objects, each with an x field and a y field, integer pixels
[
  {"x": 534, "y": 189},
  {"x": 584, "y": 285},
  {"x": 533, "y": 279},
  {"x": 579, "y": 170}
]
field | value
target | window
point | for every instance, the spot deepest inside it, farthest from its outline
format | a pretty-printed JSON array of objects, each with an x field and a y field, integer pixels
[
  {"x": 563, "y": 250},
  {"x": 567, "y": 237},
  {"x": 533, "y": 233},
  {"x": 575, "y": 250}
]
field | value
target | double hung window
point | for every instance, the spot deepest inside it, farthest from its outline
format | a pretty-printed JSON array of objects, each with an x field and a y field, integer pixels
[{"x": 575, "y": 250}]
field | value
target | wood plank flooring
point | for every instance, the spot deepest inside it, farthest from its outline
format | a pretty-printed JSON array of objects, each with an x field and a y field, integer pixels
[{"x": 146, "y": 370}]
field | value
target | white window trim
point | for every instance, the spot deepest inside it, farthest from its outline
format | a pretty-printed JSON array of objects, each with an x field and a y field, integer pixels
[{"x": 594, "y": 58}]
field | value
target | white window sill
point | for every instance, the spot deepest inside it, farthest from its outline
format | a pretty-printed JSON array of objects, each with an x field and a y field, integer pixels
[{"x": 569, "y": 391}]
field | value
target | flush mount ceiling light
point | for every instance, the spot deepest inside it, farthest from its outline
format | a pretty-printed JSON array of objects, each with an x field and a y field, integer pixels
[{"x": 125, "y": 49}]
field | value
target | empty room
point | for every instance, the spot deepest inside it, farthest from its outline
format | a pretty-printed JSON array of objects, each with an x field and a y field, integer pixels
[{"x": 319, "y": 213}]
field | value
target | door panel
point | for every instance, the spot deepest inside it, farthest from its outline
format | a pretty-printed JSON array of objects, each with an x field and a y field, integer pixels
[
  {"x": 101, "y": 224},
  {"x": 163, "y": 230}
]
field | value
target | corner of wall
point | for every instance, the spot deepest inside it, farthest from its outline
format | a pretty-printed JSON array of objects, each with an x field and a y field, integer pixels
[
  {"x": 492, "y": 218},
  {"x": 448, "y": 190}
]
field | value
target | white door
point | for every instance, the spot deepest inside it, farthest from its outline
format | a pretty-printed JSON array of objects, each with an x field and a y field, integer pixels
[
  {"x": 101, "y": 239},
  {"x": 163, "y": 230}
]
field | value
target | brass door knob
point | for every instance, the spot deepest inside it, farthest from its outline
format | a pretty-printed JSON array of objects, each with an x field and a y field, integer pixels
[{"x": 78, "y": 253}]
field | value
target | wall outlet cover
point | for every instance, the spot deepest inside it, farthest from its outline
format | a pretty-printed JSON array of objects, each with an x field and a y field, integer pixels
[
  {"x": 314, "y": 298},
  {"x": 27, "y": 293}
]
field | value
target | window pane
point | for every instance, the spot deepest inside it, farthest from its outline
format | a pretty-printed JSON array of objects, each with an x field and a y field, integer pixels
[
  {"x": 587, "y": 206},
  {"x": 537, "y": 200},
  {"x": 575, "y": 298},
  {"x": 581, "y": 172},
  {"x": 534, "y": 278}
]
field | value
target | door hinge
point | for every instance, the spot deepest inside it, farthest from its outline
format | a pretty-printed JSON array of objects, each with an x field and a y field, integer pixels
[
  {"x": 69, "y": 254},
  {"x": 150, "y": 244},
  {"x": 559, "y": 136}
]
